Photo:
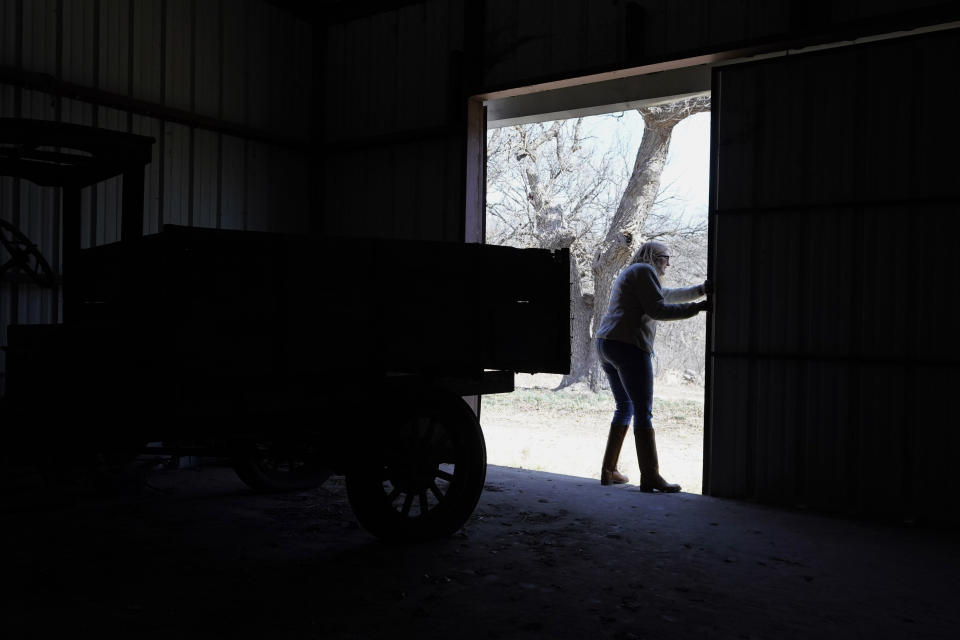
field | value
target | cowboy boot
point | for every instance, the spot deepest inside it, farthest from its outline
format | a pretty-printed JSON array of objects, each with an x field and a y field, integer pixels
[
  {"x": 608, "y": 472},
  {"x": 650, "y": 479}
]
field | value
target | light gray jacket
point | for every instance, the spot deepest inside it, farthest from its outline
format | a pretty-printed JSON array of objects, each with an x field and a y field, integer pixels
[{"x": 638, "y": 301}]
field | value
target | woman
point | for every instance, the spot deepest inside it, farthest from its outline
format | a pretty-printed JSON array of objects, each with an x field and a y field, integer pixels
[{"x": 625, "y": 347}]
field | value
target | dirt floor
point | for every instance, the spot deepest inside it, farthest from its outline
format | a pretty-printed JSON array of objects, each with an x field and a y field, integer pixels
[
  {"x": 193, "y": 553},
  {"x": 569, "y": 437}
]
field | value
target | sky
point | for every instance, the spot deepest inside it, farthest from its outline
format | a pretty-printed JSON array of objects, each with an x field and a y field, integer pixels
[{"x": 688, "y": 163}]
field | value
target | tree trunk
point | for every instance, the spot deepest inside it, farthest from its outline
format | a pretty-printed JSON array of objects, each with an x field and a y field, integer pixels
[{"x": 583, "y": 357}]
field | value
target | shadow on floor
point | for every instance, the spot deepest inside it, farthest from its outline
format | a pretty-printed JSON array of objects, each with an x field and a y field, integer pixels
[{"x": 193, "y": 553}]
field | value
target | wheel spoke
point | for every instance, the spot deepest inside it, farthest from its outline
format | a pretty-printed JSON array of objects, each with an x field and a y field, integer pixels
[
  {"x": 424, "y": 507},
  {"x": 444, "y": 475},
  {"x": 407, "y": 502},
  {"x": 393, "y": 495},
  {"x": 436, "y": 491}
]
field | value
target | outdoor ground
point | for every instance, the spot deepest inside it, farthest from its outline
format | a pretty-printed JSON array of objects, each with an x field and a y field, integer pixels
[{"x": 566, "y": 431}]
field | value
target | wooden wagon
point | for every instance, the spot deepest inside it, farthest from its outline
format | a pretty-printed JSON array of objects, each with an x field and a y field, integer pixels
[{"x": 296, "y": 356}]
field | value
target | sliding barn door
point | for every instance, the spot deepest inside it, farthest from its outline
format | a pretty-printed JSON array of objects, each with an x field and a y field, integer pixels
[{"x": 834, "y": 348}]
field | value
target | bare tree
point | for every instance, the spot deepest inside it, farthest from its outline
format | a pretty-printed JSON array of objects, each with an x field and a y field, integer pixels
[
  {"x": 557, "y": 190},
  {"x": 554, "y": 188}
]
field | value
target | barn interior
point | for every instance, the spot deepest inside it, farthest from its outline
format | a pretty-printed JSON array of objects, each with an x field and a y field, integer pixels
[{"x": 828, "y": 507}]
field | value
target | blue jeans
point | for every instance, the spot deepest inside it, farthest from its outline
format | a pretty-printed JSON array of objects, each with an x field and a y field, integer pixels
[{"x": 630, "y": 372}]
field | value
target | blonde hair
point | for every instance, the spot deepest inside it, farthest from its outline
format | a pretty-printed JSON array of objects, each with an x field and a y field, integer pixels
[{"x": 648, "y": 252}]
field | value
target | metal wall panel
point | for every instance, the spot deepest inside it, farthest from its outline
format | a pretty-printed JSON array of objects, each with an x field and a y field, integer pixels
[
  {"x": 679, "y": 15},
  {"x": 410, "y": 54},
  {"x": 233, "y": 203},
  {"x": 300, "y": 100},
  {"x": 113, "y": 69},
  {"x": 935, "y": 443},
  {"x": 828, "y": 442},
  {"x": 805, "y": 281},
  {"x": 881, "y": 454},
  {"x": 936, "y": 324},
  {"x": 423, "y": 65},
  {"x": 148, "y": 60},
  {"x": 730, "y": 445},
  {"x": 233, "y": 79},
  {"x": 204, "y": 209},
  {"x": 178, "y": 54},
  {"x": 260, "y": 71},
  {"x": 10, "y": 22},
  {"x": 413, "y": 201},
  {"x": 393, "y": 123},
  {"x": 242, "y": 62},
  {"x": 531, "y": 41},
  {"x": 79, "y": 39},
  {"x": 278, "y": 59},
  {"x": 534, "y": 46},
  {"x": 177, "y": 146},
  {"x": 257, "y": 181},
  {"x": 264, "y": 174},
  {"x": 527, "y": 42},
  {"x": 170, "y": 53},
  {"x": 928, "y": 173},
  {"x": 353, "y": 91},
  {"x": 391, "y": 72},
  {"x": 379, "y": 46},
  {"x": 733, "y": 268},
  {"x": 297, "y": 207},
  {"x": 828, "y": 320},
  {"x": 500, "y": 35},
  {"x": 833, "y": 257},
  {"x": 39, "y": 36},
  {"x": 207, "y": 59},
  {"x": 346, "y": 170}
]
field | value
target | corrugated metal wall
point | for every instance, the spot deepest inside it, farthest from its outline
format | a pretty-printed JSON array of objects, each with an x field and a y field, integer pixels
[
  {"x": 395, "y": 82},
  {"x": 394, "y": 109},
  {"x": 532, "y": 41},
  {"x": 232, "y": 80},
  {"x": 835, "y": 214}
]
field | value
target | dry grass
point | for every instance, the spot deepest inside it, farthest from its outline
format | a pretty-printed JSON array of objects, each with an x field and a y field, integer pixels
[{"x": 565, "y": 432}]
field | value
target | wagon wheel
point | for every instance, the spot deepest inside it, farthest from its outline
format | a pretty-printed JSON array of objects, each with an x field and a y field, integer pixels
[
  {"x": 25, "y": 257},
  {"x": 273, "y": 467},
  {"x": 425, "y": 476}
]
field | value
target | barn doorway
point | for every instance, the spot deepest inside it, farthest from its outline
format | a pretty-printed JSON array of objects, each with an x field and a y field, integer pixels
[{"x": 559, "y": 172}]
